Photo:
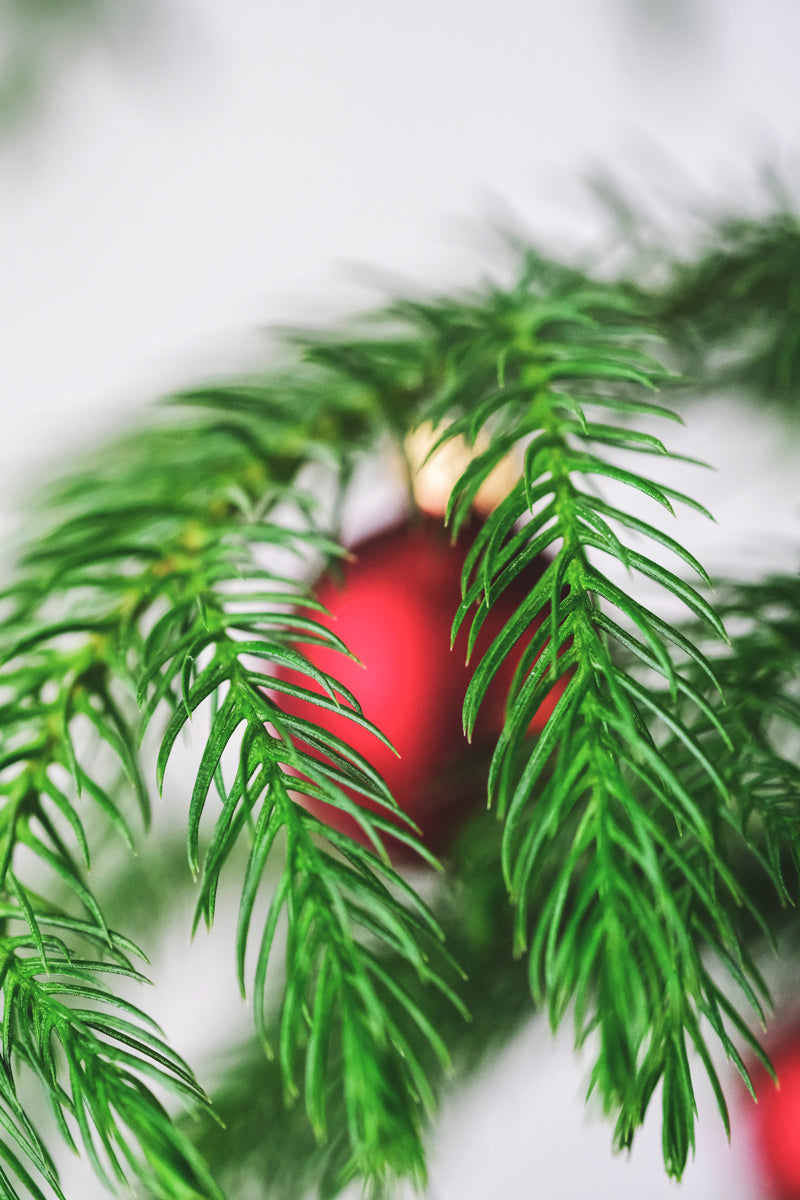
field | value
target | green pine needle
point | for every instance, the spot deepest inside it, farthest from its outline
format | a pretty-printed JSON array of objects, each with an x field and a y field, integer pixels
[{"x": 170, "y": 586}]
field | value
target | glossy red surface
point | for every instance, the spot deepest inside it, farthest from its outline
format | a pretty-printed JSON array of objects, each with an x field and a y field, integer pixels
[
  {"x": 775, "y": 1122},
  {"x": 394, "y": 608}
]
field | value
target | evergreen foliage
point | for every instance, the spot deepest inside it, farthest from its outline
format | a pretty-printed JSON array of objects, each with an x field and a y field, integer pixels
[
  {"x": 730, "y": 306},
  {"x": 171, "y": 581}
]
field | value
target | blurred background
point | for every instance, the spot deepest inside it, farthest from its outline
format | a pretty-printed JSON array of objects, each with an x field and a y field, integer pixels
[{"x": 177, "y": 175}]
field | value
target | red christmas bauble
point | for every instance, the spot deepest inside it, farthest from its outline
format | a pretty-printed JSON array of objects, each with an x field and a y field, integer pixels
[
  {"x": 393, "y": 607},
  {"x": 775, "y": 1120}
]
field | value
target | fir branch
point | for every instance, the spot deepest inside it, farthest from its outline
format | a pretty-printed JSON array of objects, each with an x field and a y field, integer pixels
[
  {"x": 757, "y": 833},
  {"x": 642, "y": 888},
  {"x": 57, "y": 678},
  {"x": 760, "y": 727},
  {"x": 175, "y": 582},
  {"x": 732, "y": 309},
  {"x": 89, "y": 1050},
  {"x": 272, "y": 1150},
  {"x": 336, "y": 903},
  {"x": 162, "y": 582}
]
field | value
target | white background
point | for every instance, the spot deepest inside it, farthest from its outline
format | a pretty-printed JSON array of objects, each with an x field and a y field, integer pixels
[{"x": 208, "y": 168}]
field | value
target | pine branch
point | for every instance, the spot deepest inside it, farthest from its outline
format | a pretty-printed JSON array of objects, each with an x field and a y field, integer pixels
[
  {"x": 267, "y": 1148},
  {"x": 731, "y": 310},
  {"x": 642, "y": 888},
  {"x": 760, "y": 724},
  {"x": 336, "y": 903},
  {"x": 161, "y": 585},
  {"x": 65, "y": 729},
  {"x": 172, "y": 592},
  {"x": 89, "y": 1050}
]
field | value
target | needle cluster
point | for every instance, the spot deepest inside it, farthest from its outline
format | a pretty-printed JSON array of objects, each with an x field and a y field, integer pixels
[{"x": 168, "y": 593}]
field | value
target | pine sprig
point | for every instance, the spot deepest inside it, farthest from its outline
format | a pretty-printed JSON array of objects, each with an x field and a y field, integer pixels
[
  {"x": 90, "y": 1050},
  {"x": 336, "y": 903},
  {"x": 760, "y": 722},
  {"x": 273, "y": 1150},
  {"x": 158, "y": 571},
  {"x": 731, "y": 309},
  {"x": 641, "y": 873},
  {"x": 171, "y": 595},
  {"x": 643, "y": 887},
  {"x": 68, "y": 741},
  {"x": 757, "y": 833}
]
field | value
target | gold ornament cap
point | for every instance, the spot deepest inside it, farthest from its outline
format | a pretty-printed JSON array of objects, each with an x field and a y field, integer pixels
[{"x": 433, "y": 479}]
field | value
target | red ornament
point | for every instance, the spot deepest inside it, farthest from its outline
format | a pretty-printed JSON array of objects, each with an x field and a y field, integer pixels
[
  {"x": 394, "y": 609},
  {"x": 775, "y": 1120}
]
